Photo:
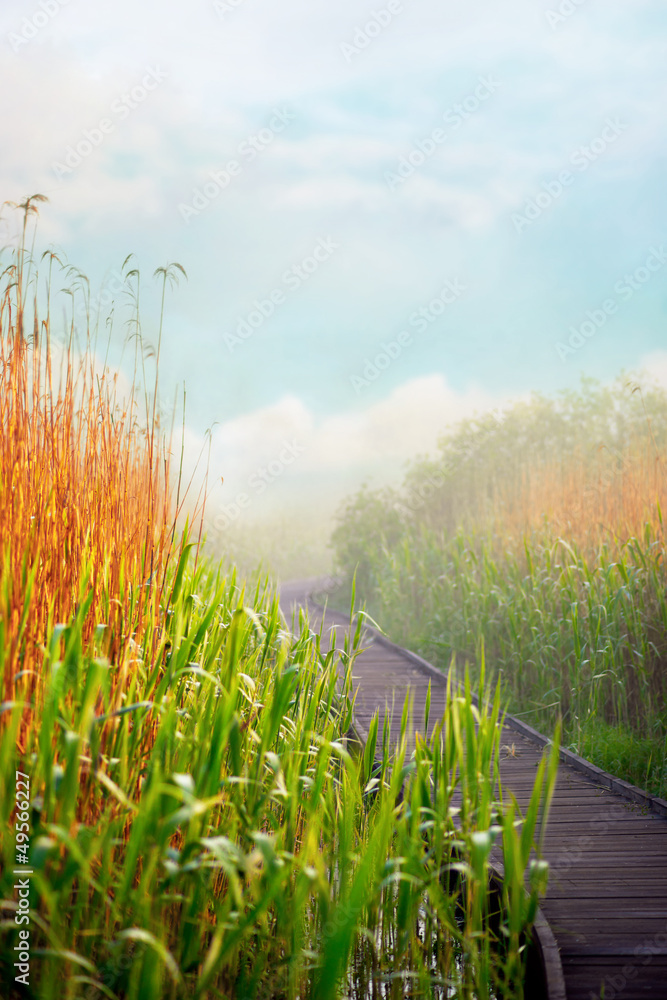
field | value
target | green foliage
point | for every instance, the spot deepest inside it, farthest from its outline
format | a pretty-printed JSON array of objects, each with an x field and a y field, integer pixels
[
  {"x": 199, "y": 826},
  {"x": 370, "y": 523},
  {"x": 198, "y": 823},
  {"x": 574, "y": 620}
]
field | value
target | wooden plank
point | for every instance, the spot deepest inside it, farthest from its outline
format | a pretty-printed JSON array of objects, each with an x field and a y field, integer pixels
[
  {"x": 608, "y": 889},
  {"x": 593, "y": 889},
  {"x": 632, "y": 909},
  {"x": 633, "y": 875},
  {"x": 597, "y": 952}
]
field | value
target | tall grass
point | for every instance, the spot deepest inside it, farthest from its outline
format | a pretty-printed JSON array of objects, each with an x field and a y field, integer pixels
[
  {"x": 86, "y": 503},
  {"x": 556, "y": 569},
  {"x": 200, "y": 824},
  {"x": 215, "y": 836}
]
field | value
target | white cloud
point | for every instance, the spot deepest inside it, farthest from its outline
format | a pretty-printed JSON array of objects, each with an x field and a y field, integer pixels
[
  {"x": 225, "y": 73},
  {"x": 388, "y": 433},
  {"x": 319, "y": 461},
  {"x": 328, "y": 458},
  {"x": 326, "y": 173}
]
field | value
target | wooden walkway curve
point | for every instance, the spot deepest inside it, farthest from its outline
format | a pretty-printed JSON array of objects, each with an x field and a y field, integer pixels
[{"x": 606, "y": 841}]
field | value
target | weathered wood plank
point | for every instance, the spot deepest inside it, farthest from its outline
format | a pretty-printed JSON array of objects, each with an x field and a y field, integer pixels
[{"x": 607, "y": 900}]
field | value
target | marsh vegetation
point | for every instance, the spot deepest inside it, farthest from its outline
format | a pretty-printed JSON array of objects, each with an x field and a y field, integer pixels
[{"x": 199, "y": 822}]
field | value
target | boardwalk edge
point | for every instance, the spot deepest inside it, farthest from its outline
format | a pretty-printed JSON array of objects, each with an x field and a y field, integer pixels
[
  {"x": 542, "y": 935},
  {"x": 652, "y": 803}
]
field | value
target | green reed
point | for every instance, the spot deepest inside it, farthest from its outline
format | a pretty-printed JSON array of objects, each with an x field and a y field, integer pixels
[{"x": 201, "y": 825}]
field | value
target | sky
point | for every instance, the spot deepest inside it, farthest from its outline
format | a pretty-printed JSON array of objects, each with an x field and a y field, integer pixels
[{"x": 392, "y": 215}]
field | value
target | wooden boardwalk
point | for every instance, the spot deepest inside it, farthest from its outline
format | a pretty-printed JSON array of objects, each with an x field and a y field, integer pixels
[{"x": 605, "y": 841}]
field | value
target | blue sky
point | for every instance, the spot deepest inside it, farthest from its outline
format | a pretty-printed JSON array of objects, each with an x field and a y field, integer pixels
[{"x": 531, "y": 137}]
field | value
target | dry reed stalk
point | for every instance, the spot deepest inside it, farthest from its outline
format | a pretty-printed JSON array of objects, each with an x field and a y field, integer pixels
[
  {"x": 612, "y": 500},
  {"x": 86, "y": 502}
]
